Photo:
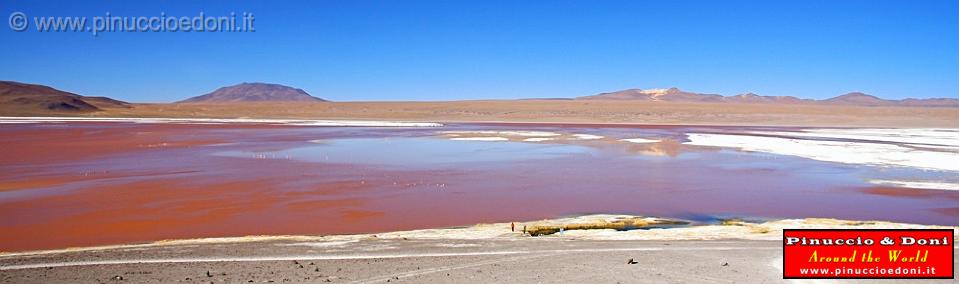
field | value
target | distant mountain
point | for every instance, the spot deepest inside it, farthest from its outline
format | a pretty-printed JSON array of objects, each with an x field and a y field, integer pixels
[
  {"x": 23, "y": 98},
  {"x": 851, "y": 99},
  {"x": 254, "y": 92},
  {"x": 933, "y": 102},
  {"x": 860, "y": 99},
  {"x": 671, "y": 94},
  {"x": 751, "y": 98}
]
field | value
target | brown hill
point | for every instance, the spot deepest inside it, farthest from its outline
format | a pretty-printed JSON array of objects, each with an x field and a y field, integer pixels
[
  {"x": 750, "y": 98},
  {"x": 933, "y": 102},
  {"x": 29, "y": 99},
  {"x": 859, "y": 99},
  {"x": 254, "y": 92},
  {"x": 671, "y": 94},
  {"x": 850, "y": 99}
]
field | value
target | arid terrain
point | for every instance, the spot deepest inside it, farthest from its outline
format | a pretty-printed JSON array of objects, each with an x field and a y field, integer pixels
[{"x": 562, "y": 111}]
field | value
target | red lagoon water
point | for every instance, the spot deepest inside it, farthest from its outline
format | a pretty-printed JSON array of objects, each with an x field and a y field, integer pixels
[{"x": 82, "y": 184}]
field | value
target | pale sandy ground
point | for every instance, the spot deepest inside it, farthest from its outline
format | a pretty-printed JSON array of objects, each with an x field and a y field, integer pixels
[
  {"x": 533, "y": 260},
  {"x": 734, "y": 253},
  {"x": 559, "y": 111}
]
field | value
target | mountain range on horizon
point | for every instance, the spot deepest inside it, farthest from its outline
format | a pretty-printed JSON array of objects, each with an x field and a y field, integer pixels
[
  {"x": 849, "y": 99},
  {"x": 23, "y": 98}
]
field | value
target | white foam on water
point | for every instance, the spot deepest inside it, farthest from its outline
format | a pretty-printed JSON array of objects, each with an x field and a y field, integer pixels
[
  {"x": 918, "y": 184},
  {"x": 295, "y": 122},
  {"x": 639, "y": 140},
  {"x": 587, "y": 136},
  {"x": 923, "y": 137},
  {"x": 876, "y": 154},
  {"x": 480, "y": 139},
  {"x": 538, "y": 139},
  {"x": 523, "y": 133}
]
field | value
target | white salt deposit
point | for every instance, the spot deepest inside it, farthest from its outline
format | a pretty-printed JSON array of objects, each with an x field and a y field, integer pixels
[
  {"x": 928, "y": 137},
  {"x": 522, "y": 133},
  {"x": 876, "y": 154},
  {"x": 587, "y": 136},
  {"x": 538, "y": 139},
  {"x": 480, "y": 139},
  {"x": 918, "y": 184},
  {"x": 639, "y": 140}
]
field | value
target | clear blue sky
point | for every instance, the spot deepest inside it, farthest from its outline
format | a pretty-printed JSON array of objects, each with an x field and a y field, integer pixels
[{"x": 445, "y": 50}]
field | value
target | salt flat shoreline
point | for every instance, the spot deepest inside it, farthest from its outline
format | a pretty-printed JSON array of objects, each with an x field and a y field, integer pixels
[
  {"x": 731, "y": 253},
  {"x": 733, "y": 229}
]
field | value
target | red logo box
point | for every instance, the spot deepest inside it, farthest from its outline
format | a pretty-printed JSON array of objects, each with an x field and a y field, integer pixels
[{"x": 872, "y": 254}]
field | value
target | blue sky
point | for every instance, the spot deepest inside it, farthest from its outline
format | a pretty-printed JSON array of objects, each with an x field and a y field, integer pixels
[{"x": 449, "y": 50}]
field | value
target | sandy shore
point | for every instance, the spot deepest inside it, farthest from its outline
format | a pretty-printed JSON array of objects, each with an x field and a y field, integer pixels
[
  {"x": 414, "y": 261},
  {"x": 735, "y": 252}
]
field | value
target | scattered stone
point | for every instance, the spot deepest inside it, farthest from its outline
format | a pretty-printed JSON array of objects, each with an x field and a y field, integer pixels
[
  {"x": 316, "y": 269},
  {"x": 725, "y": 263},
  {"x": 631, "y": 261},
  {"x": 118, "y": 277},
  {"x": 208, "y": 274}
]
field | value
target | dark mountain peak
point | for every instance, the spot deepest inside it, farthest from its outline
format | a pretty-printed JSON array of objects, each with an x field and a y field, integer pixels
[
  {"x": 24, "y": 98},
  {"x": 255, "y": 92}
]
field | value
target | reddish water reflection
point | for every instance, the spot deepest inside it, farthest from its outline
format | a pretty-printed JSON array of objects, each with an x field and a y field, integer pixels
[{"x": 84, "y": 184}]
